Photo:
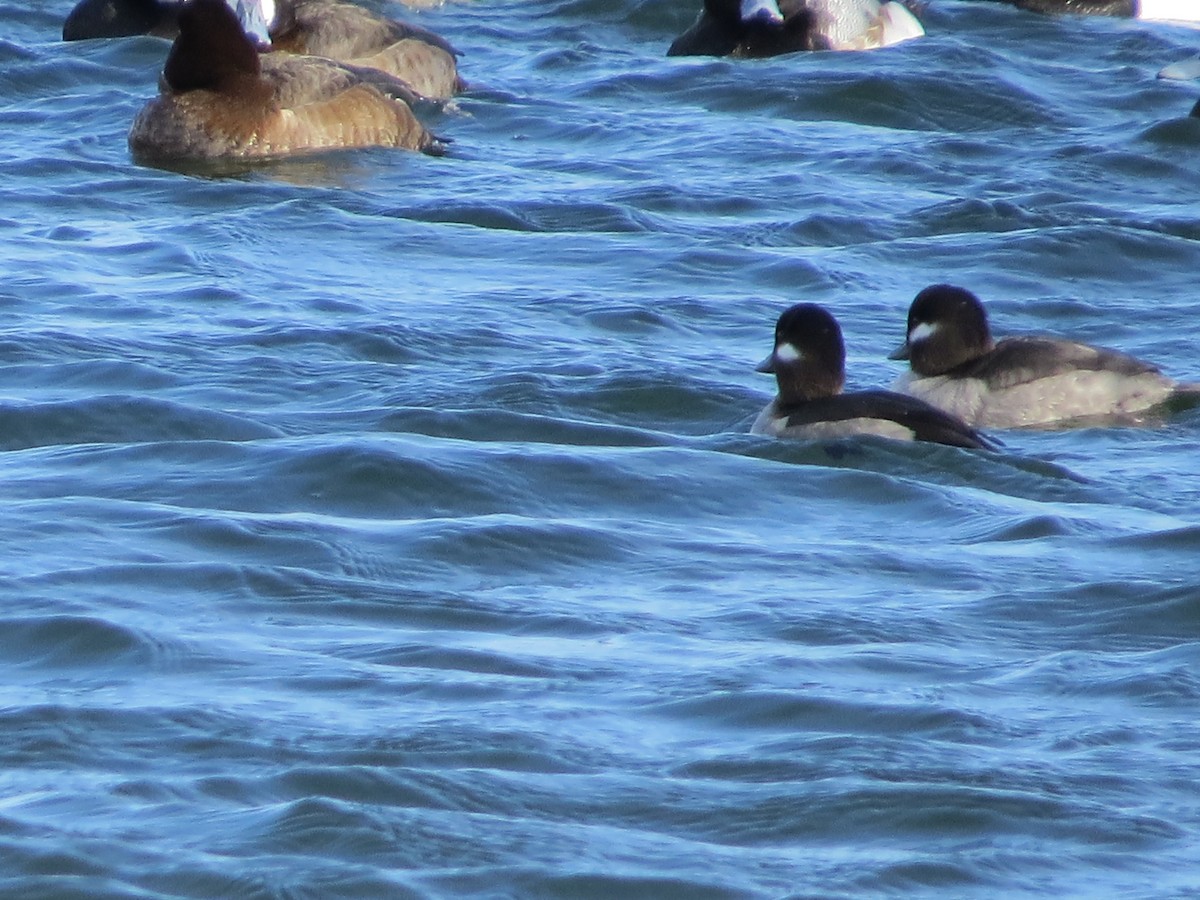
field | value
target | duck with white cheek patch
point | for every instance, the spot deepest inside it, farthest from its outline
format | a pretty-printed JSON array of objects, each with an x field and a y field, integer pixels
[
  {"x": 1021, "y": 381},
  {"x": 809, "y": 361}
]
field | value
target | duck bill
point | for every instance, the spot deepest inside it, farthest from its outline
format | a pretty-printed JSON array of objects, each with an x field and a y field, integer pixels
[
  {"x": 761, "y": 11},
  {"x": 904, "y": 351},
  {"x": 767, "y": 366}
]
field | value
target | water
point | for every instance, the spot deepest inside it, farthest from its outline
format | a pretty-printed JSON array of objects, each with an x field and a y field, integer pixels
[{"x": 387, "y": 526}]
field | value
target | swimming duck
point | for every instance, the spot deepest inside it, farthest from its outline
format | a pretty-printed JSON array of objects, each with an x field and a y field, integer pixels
[
  {"x": 756, "y": 28},
  {"x": 1019, "y": 381},
  {"x": 355, "y": 35},
  {"x": 342, "y": 31},
  {"x": 219, "y": 99},
  {"x": 122, "y": 18},
  {"x": 808, "y": 362}
]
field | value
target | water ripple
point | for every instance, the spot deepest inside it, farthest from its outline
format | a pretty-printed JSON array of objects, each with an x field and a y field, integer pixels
[{"x": 387, "y": 526}]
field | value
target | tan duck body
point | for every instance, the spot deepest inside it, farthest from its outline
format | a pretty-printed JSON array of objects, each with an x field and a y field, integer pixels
[
  {"x": 219, "y": 99},
  {"x": 357, "y": 36},
  {"x": 340, "y": 31}
]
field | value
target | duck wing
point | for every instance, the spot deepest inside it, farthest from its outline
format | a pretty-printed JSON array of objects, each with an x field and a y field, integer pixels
[
  {"x": 927, "y": 423},
  {"x": 352, "y": 34},
  {"x": 334, "y": 105},
  {"x": 1019, "y": 360}
]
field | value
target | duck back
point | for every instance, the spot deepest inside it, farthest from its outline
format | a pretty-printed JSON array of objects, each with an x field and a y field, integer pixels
[{"x": 357, "y": 36}]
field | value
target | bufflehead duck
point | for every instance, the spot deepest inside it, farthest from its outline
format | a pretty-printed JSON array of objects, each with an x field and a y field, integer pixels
[
  {"x": 219, "y": 99},
  {"x": 809, "y": 363},
  {"x": 1019, "y": 381},
  {"x": 755, "y": 28},
  {"x": 341, "y": 31}
]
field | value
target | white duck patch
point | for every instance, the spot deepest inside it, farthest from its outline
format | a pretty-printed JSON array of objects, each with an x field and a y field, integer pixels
[
  {"x": 852, "y": 428},
  {"x": 787, "y": 352},
  {"x": 921, "y": 331},
  {"x": 771, "y": 424},
  {"x": 1169, "y": 10},
  {"x": 898, "y": 25}
]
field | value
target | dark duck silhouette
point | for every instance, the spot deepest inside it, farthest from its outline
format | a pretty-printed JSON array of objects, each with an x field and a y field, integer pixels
[{"x": 757, "y": 28}]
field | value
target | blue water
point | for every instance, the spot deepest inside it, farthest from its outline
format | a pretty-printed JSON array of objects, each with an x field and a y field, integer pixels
[{"x": 386, "y": 526}]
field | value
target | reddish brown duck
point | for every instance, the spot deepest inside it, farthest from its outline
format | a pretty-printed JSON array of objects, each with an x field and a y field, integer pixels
[{"x": 219, "y": 99}]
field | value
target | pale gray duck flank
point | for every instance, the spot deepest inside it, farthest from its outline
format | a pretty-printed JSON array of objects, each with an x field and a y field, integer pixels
[{"x": 1023, "y": 381}]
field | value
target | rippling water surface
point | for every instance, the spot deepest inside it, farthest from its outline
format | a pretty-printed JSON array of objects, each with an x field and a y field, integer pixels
[{"x": 387, "y": 526}]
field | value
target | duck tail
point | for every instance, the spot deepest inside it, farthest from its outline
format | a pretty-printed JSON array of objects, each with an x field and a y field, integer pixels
[{"x": 898, "y": 24}]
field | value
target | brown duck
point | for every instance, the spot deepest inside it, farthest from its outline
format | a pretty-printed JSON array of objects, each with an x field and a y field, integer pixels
[
  {"x": 220, "y": 99},
  {"x": 341, "y": 31}
]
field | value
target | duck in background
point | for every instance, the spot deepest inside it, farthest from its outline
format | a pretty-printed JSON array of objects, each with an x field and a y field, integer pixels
[
  {"x": 809, "y": 362},
  {"x": 1020, "y": 381},
  {"x": 122, "y": 18},
  {"x": 1151, "y": 10},
  {"x": 1184, "y": 12},
  {"x": 353, "y": 34},
  {"x": 219, "y": 99},
  {"x": 758, "y": 28},
  {"x": 336, "y": 30}
]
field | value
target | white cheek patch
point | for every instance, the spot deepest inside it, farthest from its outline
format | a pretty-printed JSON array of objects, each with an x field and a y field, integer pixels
[
  {"x": 787, "y": 353},
  {"x": 1169, "y": 10},
  {"x": 922, "y": 331}
]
